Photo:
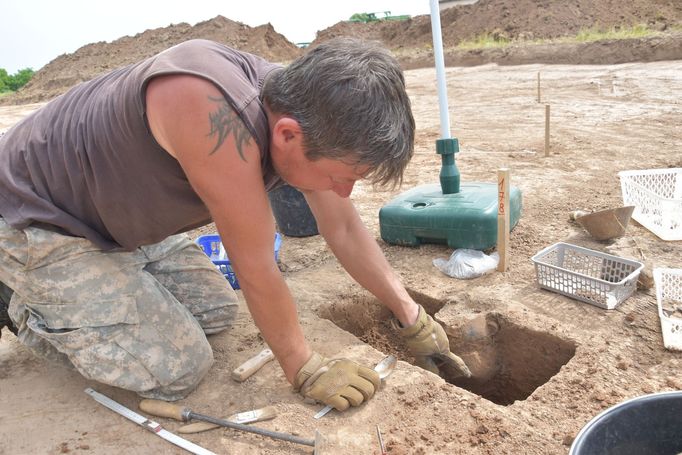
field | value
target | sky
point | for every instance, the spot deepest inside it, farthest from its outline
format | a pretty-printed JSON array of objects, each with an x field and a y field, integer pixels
[{"x": 35, "y": 32}]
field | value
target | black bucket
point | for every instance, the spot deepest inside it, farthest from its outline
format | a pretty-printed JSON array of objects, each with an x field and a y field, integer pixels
[
  {"x": 292, "y": 213},
  {"x": 645, "y": 425}
]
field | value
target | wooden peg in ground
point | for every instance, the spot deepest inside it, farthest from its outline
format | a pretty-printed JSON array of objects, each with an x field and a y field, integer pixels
[
  {"x": 646, "y": 277},
  {"x": 503, "y": 223},
  {"x": 546, "y": 129},
  {"x": 539, "y": 98}
]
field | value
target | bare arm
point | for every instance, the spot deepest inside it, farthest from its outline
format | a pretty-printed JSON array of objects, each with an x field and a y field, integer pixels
[
  {"x": 358, "y": 252},
  {"x": 189, "y": 117}
]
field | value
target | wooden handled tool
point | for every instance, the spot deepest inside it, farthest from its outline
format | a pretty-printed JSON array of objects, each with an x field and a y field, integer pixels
[
  {"x": 149, "y": 424},
  {"x": 165, "y": 409},
  {"x": 257, "y": 415},
  {"x": 246, "y": 369},
  {"x": 184, "y": 414}
]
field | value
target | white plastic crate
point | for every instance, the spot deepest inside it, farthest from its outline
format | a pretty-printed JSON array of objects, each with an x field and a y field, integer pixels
[
  {"x": 669, "y": 300},
  {"x": 657, "y": 197},
  {"x": 597, "y": 278}
]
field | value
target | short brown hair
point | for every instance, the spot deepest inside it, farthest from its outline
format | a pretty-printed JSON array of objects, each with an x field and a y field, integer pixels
[{"x": 349, "y": 98}]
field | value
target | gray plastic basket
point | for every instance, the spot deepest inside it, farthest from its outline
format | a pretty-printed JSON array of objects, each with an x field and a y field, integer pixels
[{"x": 597, "y": 278}]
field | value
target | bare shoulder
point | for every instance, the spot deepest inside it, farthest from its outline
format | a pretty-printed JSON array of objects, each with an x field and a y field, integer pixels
[
  {"x": 177, "y": 95},
  {"x": 191, "y": 119},
  {"x": 185, "y": 110}
]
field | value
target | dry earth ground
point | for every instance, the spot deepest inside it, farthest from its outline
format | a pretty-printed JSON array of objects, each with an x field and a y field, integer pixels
[{"x": 549, "y": 364}]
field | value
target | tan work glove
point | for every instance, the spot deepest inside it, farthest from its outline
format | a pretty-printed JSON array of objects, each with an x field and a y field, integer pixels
[
  {"x": 337, "y": 382},
  {"x": 429, "y": 344}
]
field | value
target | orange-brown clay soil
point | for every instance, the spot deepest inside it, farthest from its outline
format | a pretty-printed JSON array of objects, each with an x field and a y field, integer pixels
[{"x": 544, "y": 364}]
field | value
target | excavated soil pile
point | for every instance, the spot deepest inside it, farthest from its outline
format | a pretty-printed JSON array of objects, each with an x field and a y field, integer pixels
[
  {"x": 525, "y": 20},
  {"x": 514, "y": 19},
  {"x": 89, "y": 61},
  {"x": 410, "y": 40}
]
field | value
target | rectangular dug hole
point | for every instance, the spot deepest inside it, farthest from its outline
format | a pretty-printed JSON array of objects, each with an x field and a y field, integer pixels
[{"x": 508, "y": 362}]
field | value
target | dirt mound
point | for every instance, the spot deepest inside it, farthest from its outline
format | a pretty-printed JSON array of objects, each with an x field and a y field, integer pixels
[
  {"x": 93, "y": 59},
  {"x": 514, "y": 19},
  {"x": 666, "y": 46},
  {"x": 410, "y": 40}
]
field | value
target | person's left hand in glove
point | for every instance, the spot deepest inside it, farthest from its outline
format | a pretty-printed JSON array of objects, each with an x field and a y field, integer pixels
[{"x": 429, "y": 344}]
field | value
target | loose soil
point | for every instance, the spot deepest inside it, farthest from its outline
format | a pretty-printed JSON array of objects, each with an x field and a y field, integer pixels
[{"x": 544, "y": 364}]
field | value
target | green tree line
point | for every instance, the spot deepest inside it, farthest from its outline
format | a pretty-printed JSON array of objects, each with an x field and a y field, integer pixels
[{"x": 13, "y": 82}]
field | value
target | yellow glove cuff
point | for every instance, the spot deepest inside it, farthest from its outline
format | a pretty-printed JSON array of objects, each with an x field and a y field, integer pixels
[
  {"x": 308, "y": 369},
  {"x": 413, "y": 330}
]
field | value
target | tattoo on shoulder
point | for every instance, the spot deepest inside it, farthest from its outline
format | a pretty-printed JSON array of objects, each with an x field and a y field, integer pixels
[{"x": 224, "y": 120}]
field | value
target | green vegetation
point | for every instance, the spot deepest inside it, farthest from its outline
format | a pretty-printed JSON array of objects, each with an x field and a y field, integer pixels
[
  {"x": 373, "y": 17},
  {"x": 595, "y": 34},
  {"x": 497, "y": 39},
  {"x": 12, "y": 83},
  {"x": 485, "y": 41}
]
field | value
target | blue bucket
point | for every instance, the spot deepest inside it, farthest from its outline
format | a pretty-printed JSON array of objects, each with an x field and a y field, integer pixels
[{"x": 211, "y": 243}]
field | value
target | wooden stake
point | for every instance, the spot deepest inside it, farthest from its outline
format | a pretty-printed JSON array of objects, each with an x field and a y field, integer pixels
[
  {"x": 503, "y": 219},
  {"x": 538, "y": 86},
  {"x": 546, "y": 129}
]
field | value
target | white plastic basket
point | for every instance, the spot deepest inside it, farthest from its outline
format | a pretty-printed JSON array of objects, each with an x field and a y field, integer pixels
[
  {"x": 669, "y": 299},
  {"x": 657, "y": 197},
  {"x": 597, "y": 278}
]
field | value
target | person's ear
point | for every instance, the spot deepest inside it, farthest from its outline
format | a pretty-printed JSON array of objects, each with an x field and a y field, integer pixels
[{"x": 286, "y": 133}]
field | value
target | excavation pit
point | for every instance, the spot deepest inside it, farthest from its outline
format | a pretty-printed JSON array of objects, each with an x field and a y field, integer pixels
[{"x": 508, "y": 361}]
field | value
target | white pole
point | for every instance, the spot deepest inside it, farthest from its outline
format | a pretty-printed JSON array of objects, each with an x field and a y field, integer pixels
[{"x": 440, "y": 71}]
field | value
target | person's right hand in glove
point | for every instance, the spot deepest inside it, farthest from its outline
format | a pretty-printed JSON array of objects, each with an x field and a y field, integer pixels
[
  {"x": 429, "y": 344},
  {"x": 340, "y": 383}
]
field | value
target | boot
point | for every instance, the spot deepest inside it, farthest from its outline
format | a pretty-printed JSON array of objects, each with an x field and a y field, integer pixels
[{"x": 5, "y": 296}]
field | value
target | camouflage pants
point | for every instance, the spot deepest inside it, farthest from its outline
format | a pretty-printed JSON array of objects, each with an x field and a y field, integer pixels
[{"x": 136, "y": 320}]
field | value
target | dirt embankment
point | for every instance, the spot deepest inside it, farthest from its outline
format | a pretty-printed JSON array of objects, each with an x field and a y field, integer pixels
[
  {"x": 515, "y": 19},
  {"x": 93, "y": 59},
  {"x": 410, "y": 40},
  {"x": 523, "y": 21}
]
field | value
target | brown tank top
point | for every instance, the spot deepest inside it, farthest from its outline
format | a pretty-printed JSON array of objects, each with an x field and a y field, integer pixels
[{"x": 86, "y": 163}]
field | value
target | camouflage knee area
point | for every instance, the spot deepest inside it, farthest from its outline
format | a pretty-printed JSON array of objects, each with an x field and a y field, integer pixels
[
  {"x": 183, "y": 385},
  {"x": 188, "y": 274}
]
